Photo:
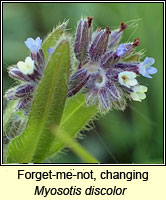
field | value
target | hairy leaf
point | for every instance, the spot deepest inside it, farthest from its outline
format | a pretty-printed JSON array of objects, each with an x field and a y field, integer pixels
[
  {"x": 50, "y": 41},
  {"x": 46, "y": 111},
  {"x": 75, "y": 117},
  {"x": 52, "y": 38}
]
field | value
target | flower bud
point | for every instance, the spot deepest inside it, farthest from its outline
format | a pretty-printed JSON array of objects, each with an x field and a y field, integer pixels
[
  {"x": 23, "y": 103},
  {"x": 104, "y": 100},
  {"x": 24, "y": 90},
  {"x": 133, "y": 67},
  {"x": 10, "y": 94},
  {"x": 113, "y": 91},
  {"x": 77, "y": 81},
  {"x": 82, "y": 40},
  {"x": 116, "y": 35},
  {"x": 99, "y": 44},
  {"x": 126, "y": 49},
  {"x": 15, "y": 73},
  {"x": 107, "y": 59}
]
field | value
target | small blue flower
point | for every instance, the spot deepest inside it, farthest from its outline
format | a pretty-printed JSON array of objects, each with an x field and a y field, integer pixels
[
  {"x": 121, "y": 50},
  {"x": 145, "y": 68},
  {"x": 33, "y": 45},
  {"x": 50, "y": 50}
]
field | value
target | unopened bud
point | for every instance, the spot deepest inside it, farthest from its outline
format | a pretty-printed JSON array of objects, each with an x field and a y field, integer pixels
[
  {"x": 82, "y": 39},
  {"x": 116, "y": 35},
  {"x": 99, "y": 44}
]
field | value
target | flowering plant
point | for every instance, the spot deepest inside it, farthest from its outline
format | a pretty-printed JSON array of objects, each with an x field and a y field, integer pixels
[{"x": 54, "y": 100}]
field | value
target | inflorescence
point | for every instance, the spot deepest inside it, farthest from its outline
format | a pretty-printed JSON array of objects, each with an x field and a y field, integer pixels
[
  {"x": 105, "y": 72},
  {"x": 29, "y": 74}
]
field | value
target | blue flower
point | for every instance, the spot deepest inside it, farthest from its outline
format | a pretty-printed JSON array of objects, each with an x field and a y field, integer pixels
[
  {"x": 145, "y": 68},
  {"x": 50, "y": 50},
  {"x": 121, "y": 50},
  {"x": 33, "y": 45}
]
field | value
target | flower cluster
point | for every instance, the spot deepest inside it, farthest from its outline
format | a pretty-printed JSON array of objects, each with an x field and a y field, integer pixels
[
  {"x": 104, "y": 71},
  {"x": 28, "y": 73}
]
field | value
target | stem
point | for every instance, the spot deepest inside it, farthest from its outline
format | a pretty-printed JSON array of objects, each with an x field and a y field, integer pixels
[{"x": 7, "y": 116}]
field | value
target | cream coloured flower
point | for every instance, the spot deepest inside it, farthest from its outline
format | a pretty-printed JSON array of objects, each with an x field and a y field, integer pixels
[
  {"x": 127, "y": 78},
  {"x": 139, "y": 93},
  {"x": 26, "y": 67}
]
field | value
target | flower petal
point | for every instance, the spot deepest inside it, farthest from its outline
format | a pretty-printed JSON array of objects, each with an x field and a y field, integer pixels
[
  {"x": 142, "y": 96},
  {"x": 147, "y": 75},
  {"x": 135, "y": 96},
  {"x": 149, "y": 61},
  {"x": 145, "y": 68},
  {"x": 121, "y": 50},
  {"x": 151, "y": 70},
  {"x": 33, "y": 45},
  {"x": 142, "y": 69},
  {"x": 29, "y": 61},
  {"x": 132, "y": 82},
  {"x": 21, "y": 66},
  {"x": 142, "y": 88}
]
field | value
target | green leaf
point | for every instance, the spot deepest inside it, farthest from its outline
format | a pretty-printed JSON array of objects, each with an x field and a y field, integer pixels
[
  {"x": 46, "y": 111},
  {"x": 75, "y": 117},
  {"x": 52, "y": 39}
]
